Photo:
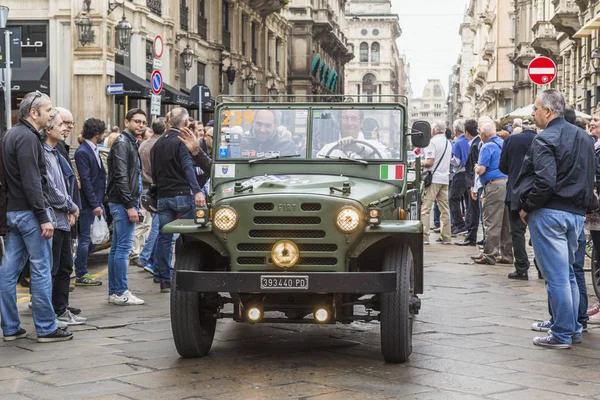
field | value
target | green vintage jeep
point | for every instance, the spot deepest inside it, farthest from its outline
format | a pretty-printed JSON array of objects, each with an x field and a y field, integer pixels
[{"x": 313, "y": 217}]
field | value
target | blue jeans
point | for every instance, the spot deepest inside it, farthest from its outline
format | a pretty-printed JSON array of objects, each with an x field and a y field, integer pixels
[
  {"x": 24, "y": 240},
  {"x": 578, "y": 265},
  {"x": 84, "y": 244},
  {"x": 168, "y": 209},
  {"x": 555, "y": 235},
  {"x": 436, "y": 215},
  {"x": 122, "y": 243},
  {"x": 147, "y": 254}
]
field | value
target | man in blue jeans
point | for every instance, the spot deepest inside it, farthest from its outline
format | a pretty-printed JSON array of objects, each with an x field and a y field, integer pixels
[
  {"x": 30, "y": 227},
  {"x": 123, "y": 195},
  {"x": 178, "y": 189},
  {"x": 552, "y": 194},
  {"x": 92, "y": 176}
]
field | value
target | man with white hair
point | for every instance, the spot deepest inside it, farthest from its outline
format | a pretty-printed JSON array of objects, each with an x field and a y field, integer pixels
[
  {"x": 437, "y": 161},
  {"x": 458, "y": 187},
  {"x": 495, "y": 216},
  {"x": 517, "y": 126},
  {"x": 552, "y": 194}
]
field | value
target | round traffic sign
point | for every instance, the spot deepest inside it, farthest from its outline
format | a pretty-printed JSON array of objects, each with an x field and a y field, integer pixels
[
  {"x": 157, "y": 82},
  {"x": 158, "y": 46},
  {"x": 541, "y": 70}
]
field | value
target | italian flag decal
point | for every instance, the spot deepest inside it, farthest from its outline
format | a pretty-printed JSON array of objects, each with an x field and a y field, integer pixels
[{"x": 391, "y": 172}]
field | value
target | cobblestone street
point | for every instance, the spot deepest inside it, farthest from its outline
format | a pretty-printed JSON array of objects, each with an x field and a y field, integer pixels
[{"x": 472, "y": 340}]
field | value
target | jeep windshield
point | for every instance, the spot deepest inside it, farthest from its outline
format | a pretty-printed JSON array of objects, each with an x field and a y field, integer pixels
[{"x": 310, "y": 133}]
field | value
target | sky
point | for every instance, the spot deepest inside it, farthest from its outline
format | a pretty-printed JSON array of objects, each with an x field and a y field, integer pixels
[{"x": 430, "y": 38}]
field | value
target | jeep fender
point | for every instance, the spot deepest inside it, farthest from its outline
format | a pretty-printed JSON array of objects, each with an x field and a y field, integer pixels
[{"x": 188, "y": 228}]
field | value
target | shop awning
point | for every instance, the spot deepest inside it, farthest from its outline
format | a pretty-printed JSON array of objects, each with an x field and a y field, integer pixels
[
  {"x": 134, "y": 86},
  {"x": 32, "y": 76},
  {"x": 589, "y": 28},
  {"x": 170, "y": 95}
]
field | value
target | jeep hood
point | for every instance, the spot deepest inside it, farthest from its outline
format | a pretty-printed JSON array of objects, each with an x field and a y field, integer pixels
[{"x": 362, "y": 190}]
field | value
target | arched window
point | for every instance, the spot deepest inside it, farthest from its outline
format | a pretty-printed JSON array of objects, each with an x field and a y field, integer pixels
[
  {"x": 369, "y": 84},
  {"x": 375, "y": 52},
  {"x": 364, "y": 52}
]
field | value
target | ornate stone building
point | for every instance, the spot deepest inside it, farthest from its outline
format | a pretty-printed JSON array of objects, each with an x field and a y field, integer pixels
[
  {"x": 431, "y": 106},
  {"x": 318, "y": 50},
  {"x": 232, "y": 46},
  {"x": 377, "y": 68}
]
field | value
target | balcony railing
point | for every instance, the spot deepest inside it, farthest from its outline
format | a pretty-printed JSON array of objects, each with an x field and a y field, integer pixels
[
  {"x": 184, "y": 17},
  {"x": 155, "y": 6},
  {"x": 566, "y": 16},
  {"x": 202, "y": 27},
  {"x": 226, "y": 39},
  {"x": 544, "y": 39}
]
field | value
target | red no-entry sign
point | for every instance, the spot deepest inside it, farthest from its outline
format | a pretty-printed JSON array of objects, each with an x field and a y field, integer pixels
[{"x": 541, "y": 70}]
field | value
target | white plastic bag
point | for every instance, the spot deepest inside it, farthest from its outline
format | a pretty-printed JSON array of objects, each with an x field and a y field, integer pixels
[{"x": 99, "y": 231}]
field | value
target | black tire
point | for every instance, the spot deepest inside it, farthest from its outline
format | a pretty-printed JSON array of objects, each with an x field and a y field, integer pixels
[
  {"x": 396, "y": 317},
  {"x": 193, "y": 330},
  {"x": 595, "y": 274}
]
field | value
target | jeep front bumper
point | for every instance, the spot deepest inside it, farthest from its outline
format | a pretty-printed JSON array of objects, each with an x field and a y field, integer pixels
[{"x": 277, "y": 282}]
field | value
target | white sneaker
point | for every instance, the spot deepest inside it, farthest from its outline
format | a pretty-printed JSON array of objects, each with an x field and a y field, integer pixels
[
  {"x": 69, "y": 319},
  {"x": 111, "y": 298},
  {"x": 127, "y": 299},
  {"x": 60, "y": 324}
]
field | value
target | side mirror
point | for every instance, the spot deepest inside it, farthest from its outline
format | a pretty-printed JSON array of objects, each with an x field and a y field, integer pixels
[{"x": 420, "y": 134}]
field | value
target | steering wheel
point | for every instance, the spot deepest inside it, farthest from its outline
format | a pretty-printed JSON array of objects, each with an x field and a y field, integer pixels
[{"x": 375, "y": 151}]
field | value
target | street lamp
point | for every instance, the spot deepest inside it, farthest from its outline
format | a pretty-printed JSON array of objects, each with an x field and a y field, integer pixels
[
  {"x": 188, "y": 57},
  {"x": 3, "y": 16},
  {"x": 273, "y": 92},
  {"x": 123, "y": 28},
  {"x": 250, "y": 81},
  {"x": 85, "y": 33},
  {"x": 595, "y": 57}
]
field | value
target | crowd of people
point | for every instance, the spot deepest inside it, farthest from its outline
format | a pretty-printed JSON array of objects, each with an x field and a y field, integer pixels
[
  {"x": 544, "y": 176},
  {"x": 47, "y": 200}
]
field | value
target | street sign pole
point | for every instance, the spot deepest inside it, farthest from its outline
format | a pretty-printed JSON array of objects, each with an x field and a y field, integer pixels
[
  {"x": 200, "y": 105},
  {"x": 7, "y": 80}
]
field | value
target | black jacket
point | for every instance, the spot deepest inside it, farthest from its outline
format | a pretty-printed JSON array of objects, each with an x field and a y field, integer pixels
[
  {"x": 3, "y": 192},
  {"x": 472, "y": 160},
  {"x": 124, "y": 170},
  {"x": 511, "y": 159},
  {"x": 558, "y": 171},
  {"x": 25, "y": 170},
  {"x": 63, "y": 149}
]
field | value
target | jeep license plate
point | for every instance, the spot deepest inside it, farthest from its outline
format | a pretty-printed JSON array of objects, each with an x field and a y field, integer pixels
[{"x": 284, "y": 282}]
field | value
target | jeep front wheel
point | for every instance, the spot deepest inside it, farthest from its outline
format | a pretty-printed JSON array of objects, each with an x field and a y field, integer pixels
[
  {"x": 192, "y": 313},
  {"x": 396, "y": 316}
]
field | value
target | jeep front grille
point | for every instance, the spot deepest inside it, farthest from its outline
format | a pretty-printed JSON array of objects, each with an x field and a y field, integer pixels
[
  {"x": 317, "y": 261},
  {"x": 287, "y": 220},
  {"x": 264, "y": 206},
  {"x": 316, "y": 247},
  {"x": 310, "y": 207},
  {"x": 287, "y": 234},
  {"x": 251, "y": 260}
]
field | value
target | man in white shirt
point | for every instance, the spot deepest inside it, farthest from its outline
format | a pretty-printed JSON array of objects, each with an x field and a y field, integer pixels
[
  {"x": 437, "y": 160},
  {"x": 346, "y": 147}
]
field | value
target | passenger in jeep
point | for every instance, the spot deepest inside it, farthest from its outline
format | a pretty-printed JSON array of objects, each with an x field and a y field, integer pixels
[
  {"x": 350, "y": 131},
  {"x": 264, "y": 138}
]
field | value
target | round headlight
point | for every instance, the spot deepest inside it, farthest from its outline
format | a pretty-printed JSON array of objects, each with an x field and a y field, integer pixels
[
  {"x": 348, "y": 219},
  {"x": 200, "y": 213},
  {"x": 285, "y": 254},
  {"x": 225, "y": 219}
]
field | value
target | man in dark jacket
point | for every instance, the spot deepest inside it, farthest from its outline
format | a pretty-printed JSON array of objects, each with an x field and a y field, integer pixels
[
  {"x": 30, "y": 227},
  {"x": 473, "y": 204},
  {"x": 458, "y": 186},
  {"x": 552, "y": 194},
  {"x": 92, "y": 176},
  {"x": 123, "y": 195},
  {"x": 513, "y": 153},
  {"x": 177, "y": 188}
]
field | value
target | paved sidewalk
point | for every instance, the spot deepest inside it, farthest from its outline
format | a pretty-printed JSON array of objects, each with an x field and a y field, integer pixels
[{"x": 472, "y": 341}]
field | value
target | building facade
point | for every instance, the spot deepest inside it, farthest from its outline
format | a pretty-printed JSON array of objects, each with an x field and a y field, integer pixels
[
  {"x": 378, "y": 73},
  {"x": 432, "y": 105},
  {"x": 317, "y": 48},
  {"x": 238, "y": 47}
]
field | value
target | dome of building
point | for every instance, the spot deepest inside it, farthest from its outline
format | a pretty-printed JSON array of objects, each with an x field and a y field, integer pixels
[{"x": 434, "y": 90}]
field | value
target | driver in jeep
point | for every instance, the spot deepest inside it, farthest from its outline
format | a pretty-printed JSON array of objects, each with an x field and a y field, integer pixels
[
  {"x": 264, "y": 136},
  {"x": 352, "y": 143}
]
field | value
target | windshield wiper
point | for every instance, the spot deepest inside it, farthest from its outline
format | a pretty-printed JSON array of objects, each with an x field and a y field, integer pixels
[
  {"x": 273, "y": 158},
  {"x": 356, "y": 160}
]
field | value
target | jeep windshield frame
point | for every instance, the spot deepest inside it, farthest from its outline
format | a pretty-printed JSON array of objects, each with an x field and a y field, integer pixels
[{"x": 309, "y": 132}]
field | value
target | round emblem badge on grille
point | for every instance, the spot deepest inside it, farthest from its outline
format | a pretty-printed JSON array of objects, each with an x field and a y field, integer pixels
[{"x": 285, "y": 254}]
